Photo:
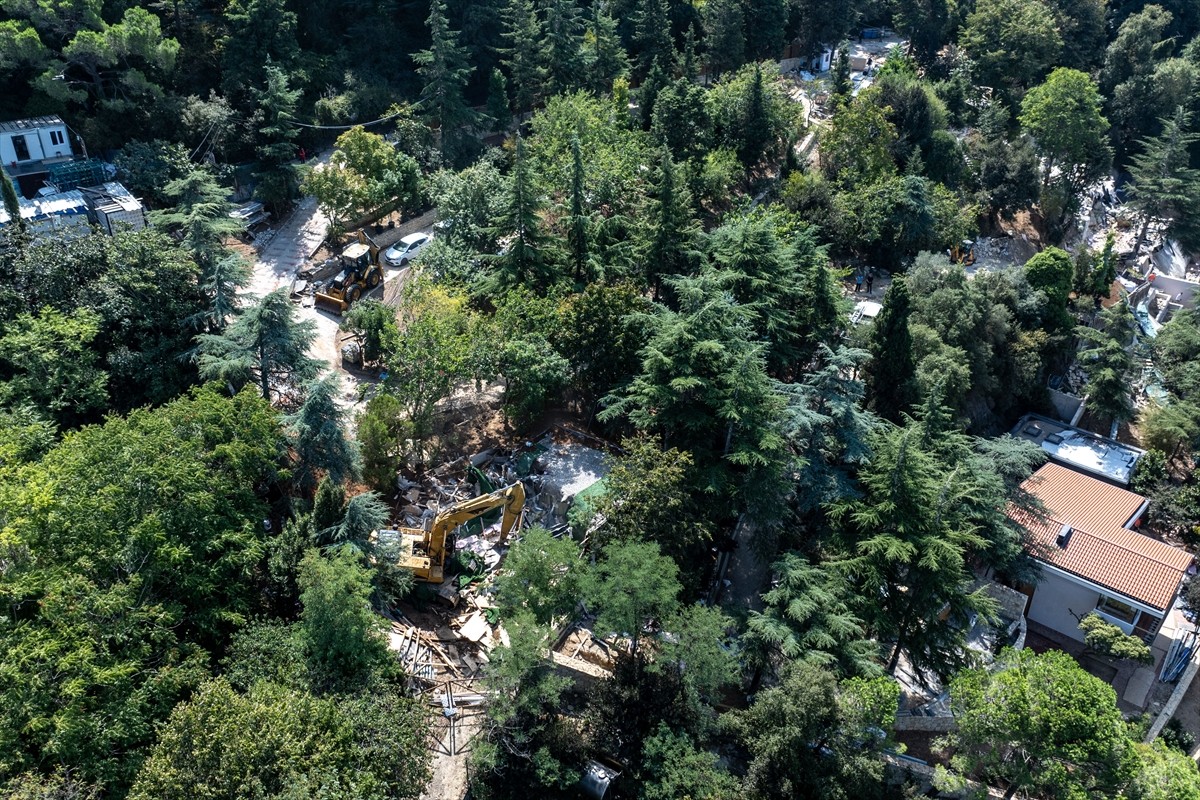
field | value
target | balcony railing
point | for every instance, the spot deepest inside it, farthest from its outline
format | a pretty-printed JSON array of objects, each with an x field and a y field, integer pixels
[{"x": 34, "y": 166}]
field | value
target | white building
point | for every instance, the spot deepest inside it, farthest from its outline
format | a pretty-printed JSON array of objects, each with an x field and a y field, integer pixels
[
  {"x": 28, "y": 148},
  {"x": 1093, "y": 560}
]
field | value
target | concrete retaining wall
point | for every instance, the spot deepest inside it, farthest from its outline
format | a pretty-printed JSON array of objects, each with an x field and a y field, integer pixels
[
  {"x": 389, "y": 236},
  {"x": 1067, "y": 407}
]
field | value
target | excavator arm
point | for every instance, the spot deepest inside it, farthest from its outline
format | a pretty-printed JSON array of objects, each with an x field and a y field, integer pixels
[
  {"x": 510, "y": 498},
  {"x": 424, "y": 552}
]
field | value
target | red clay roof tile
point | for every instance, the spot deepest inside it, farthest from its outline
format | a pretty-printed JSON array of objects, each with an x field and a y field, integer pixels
[{"x": 1100, "y": 549}]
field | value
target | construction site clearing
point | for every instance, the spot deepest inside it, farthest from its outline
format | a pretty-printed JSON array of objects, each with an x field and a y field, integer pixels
[
  {"x": 444, "y": 635},
  {"x": 448, "y": 629}
]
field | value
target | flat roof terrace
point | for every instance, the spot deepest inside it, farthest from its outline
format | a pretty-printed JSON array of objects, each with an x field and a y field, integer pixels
[{"x": 1083, "y": 450}]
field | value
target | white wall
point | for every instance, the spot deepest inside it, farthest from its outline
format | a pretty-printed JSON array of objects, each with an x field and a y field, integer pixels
[
  {"x": 1053, "y": 597},
  {"x": 38, "y": 142},
  {"x": 8, "y": 153},
  {"x": 60, "y": 224}
]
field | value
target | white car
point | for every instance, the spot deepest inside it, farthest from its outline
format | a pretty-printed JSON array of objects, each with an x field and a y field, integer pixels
[{"x": 406, "y": 250}]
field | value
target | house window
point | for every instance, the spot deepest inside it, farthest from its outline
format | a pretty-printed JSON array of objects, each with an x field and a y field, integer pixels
[
  {"x": 56, "y": 137},
  {"x": 1117, "y": 610},
  {"x": 21, "y": 148}
]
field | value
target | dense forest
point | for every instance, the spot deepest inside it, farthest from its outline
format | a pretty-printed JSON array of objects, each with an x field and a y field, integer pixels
[{"x": 650, "y": 216}]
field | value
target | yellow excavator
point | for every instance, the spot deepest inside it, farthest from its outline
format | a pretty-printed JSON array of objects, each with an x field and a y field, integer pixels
[
  {"x": 360, "y": 273},
  {"x": 426, "y": 552}
]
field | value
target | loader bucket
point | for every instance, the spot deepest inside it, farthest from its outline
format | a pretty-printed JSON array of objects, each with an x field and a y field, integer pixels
[{"x": 330, "y": 302}]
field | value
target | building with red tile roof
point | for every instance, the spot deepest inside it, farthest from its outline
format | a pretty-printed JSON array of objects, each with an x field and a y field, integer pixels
[{"x": 1092, "y": 559}]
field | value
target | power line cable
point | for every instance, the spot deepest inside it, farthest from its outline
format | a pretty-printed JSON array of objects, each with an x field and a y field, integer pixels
[{"x": 343, "y": 127}]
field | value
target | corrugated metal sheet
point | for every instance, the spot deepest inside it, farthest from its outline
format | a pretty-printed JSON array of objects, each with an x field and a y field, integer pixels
[
  {"x": 1100, "y": 549},
  {"x": 52, "y": 205},
  {"x": 19, "y": 125}
]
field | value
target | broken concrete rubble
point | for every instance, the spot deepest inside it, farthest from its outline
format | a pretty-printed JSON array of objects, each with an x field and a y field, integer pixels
[
  {"x": 451, "y": 638},
  {"x": 555, "y": 467},
  {"x": 568, "y": 468},
  {"x": 475, "y": 628}
]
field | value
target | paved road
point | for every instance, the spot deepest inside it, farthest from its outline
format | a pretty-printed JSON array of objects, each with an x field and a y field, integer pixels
[{"x": 295, "y": 241}]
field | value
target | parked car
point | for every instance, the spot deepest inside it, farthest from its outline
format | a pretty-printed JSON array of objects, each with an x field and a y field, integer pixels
[{"x": 406, "y": 250}]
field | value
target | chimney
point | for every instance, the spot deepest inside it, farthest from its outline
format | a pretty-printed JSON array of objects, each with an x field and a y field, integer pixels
[{"x": 1064, "y": 536}]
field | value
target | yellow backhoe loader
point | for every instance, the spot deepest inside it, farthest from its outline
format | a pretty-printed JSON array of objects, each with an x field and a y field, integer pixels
[
  {"x": 426, "y": 552},
  {"x": 360, "y": 274},
  {"x": 963, "y": 253}
]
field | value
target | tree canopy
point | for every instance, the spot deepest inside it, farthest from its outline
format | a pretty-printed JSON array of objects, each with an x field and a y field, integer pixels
[{"x": 793, "y": 310}]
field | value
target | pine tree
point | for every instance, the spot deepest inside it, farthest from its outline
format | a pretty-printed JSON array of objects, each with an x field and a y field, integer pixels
[
  {"x": 687, "y": 57},
  {"x": 756, "y": 127},
  {"x": 498, "y": 110},
  {"x": 318, "y": 438},
  {"x": 823, "y": 316},
  {"x": 756, "y": 267},
  {"x": 891, "y": 373},
  {"x": 362, "y": 515},
  {"x": 842, "y": 87},
  {"x": 278, "y": 179},
  {"x": 681, "y": 120},
  {"x": 704, "y": 388},
  {"x": 525, "y": 261},
  {"x": 522, "y": 54},
  {"x": 767, "y": 23},
  {"x": 909, "y": 544},
  {"x": 201, "y": 215},
  {"x": 806, "y": 619},
  {"x": 647, "y": 94},
  {"x": 605, "y": 58},
  {"x": 671, "y": 228},
  {"x": 564, "y": 30},
  {"x": 1107, "y": 363},
  {"x": 652, "y": 35},
  {"x": 12, "y": 204},
  {"x": 827, "y": 428},
  {"x": 1165, "y": 185},
  {"x": 265, "y": 343},
  {"x": 725, "y": 35},
  {"x": 445, "y": 71},
  {"x": 329, "y": 505},
  {"x": 1106, "y": 270},
  {"x": 577, "y": 230},
  {"x": 221, "y": 284}
]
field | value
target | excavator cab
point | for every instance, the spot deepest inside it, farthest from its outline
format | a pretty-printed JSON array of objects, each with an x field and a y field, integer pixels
[
  {"x": 426, "y": 552},
  {"x": 360, "y": 274}
]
